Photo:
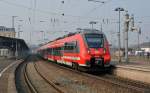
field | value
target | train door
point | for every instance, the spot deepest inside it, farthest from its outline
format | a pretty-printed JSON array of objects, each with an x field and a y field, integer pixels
[{"x": 62, "y": 54}]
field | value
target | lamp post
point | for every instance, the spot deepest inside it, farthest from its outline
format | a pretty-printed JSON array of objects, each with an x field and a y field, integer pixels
[
  {"x": 13, "y": 27},
  {"x": 119, "y": 41},
  {"x": 16, "y": 52}
]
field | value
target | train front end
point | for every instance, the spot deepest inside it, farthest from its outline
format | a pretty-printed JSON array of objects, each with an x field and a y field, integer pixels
[{"x": 97, "y": 50}]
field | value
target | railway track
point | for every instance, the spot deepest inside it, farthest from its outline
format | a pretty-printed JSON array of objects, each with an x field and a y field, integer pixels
[
  {"x": 32, "y": 69},
  {"x": 138, "y": 84},
  {"x": 31, "y": 87},
  {"x": 28, "y": 81},
  {"x": 117, "y": 81}
]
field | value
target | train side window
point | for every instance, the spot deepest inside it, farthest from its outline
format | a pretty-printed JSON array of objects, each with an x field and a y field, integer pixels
[
  {"x": 49, "y": 51},
  {"x": 71, "y": 47},
  {"x": 57, "y": 51}
]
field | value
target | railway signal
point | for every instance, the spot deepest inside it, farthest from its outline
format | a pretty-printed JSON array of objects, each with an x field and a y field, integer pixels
[
  {"x": 128, "y": 20},
  {"x": 137, "y": 29}
]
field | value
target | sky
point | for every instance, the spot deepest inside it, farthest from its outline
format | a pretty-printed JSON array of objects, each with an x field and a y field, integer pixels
[{"x": 43, "y": 20}]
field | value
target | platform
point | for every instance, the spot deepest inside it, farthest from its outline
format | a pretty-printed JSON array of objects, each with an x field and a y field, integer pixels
[{"x": 139, "y": 71}]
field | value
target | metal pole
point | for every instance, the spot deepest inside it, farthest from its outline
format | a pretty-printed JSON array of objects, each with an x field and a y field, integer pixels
[
  {"x": 16, "y": 52},
  {"x": 13, "y": 21},
  {"x": 19, "y": 31},
  {"x": 101, "y": 28},
  {"x": 119, "y": 41},
  {"x": 13, "y": 26},
  {"x": 126, "y": 28},
  {"x": 138, "y": 36},
  {"x": 92, "y": 26}
]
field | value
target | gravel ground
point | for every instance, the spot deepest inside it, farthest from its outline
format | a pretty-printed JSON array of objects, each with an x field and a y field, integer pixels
[{"x": 72, "y": 82}]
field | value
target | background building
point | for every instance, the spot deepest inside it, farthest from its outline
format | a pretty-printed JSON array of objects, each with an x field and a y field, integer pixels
[
  {"x": 145, "y": 47},
  {"x": 7, "y": 32}
]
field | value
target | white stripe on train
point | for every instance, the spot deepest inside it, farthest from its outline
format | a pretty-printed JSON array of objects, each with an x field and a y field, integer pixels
[{"x": 66, "y": 62}]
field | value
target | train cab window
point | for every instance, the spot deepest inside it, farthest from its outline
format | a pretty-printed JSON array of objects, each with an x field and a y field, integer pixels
[{"x": 94, "y": 40}]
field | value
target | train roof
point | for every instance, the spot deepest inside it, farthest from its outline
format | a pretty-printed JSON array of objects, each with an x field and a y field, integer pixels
[{"x": 81, "y": 31}]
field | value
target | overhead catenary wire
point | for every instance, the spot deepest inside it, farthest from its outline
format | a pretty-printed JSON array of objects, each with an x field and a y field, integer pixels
[
  {"x": 43, "y": 11},
  {"x": 92, "y": 10}
]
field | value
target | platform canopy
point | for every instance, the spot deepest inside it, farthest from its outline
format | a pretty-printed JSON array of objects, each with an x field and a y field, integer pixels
[{"x": 10, "y": 43}]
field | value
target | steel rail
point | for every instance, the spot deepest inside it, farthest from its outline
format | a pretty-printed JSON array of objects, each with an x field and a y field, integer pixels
[
  {"x": 48, "y": 81},
  {"x": 28, "y": 81}
]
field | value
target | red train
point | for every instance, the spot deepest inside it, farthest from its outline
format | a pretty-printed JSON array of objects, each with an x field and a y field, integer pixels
[{"x": 88, "y": 48}]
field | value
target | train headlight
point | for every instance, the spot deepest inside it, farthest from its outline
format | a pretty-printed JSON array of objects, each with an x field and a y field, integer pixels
[{"x": 88, "y": 51}]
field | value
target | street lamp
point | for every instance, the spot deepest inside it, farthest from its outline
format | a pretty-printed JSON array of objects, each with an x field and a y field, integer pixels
[{"x": 119, "y": 41}]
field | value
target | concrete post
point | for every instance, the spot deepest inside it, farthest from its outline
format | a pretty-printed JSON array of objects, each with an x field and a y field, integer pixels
[{"x": 126, "y": 28}]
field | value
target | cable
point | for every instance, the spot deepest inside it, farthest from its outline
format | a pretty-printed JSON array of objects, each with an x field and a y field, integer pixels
[
  {"x": 45, "y": 12},
  {"x": 98, "y": 7}
]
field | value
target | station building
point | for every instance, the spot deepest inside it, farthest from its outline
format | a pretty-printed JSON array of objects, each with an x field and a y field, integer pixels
[
  {"x": 7, "y": 32},
  {"x": 9, "y": 44}
]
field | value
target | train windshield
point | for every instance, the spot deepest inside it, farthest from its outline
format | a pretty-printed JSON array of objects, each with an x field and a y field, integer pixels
[{"x": 94, "y": 40}]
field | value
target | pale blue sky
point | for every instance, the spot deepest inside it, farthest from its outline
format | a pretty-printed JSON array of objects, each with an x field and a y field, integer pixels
[{"x": 78, "y": 13}]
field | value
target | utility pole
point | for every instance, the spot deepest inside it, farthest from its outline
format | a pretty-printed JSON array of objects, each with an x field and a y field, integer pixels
[
  {"x": 19, "y": 30},
  {"x": 101, "y": 29},
  {"x": 92, "y": 23},
  {"x": 126, "y": 28},
  {"x": 16, "y": 52},
  {"x": 13, "y": 21},
  {"x": 13, "y": 27},
  {"x": 138, "y": 33},
  {"x": 17, "y": 47},
  {"x": 43, "y": 35},
  {"x": 119, "y": 41}
]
